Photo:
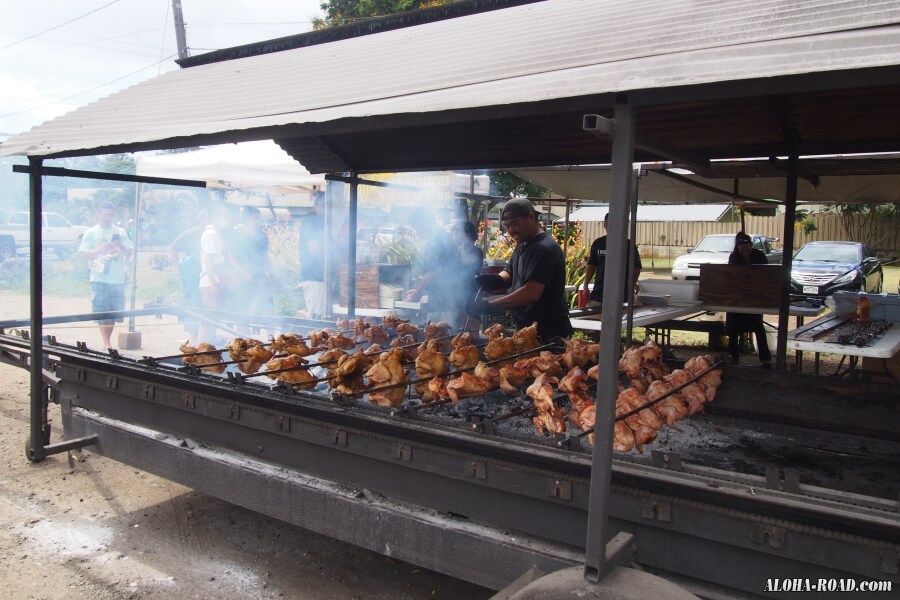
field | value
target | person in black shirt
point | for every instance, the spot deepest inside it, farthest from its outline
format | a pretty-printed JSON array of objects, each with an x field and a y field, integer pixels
[
  {"x": 745, "y": 254},
  {"x": 536, "y": 275},
  {"x": 472, "y": 259},
  {"x": 312, "y": 258},
  {"x": 596, "y": 263}
]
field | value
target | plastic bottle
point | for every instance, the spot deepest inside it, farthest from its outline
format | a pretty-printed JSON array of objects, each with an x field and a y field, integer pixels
[{"x": 862, "y": 310}]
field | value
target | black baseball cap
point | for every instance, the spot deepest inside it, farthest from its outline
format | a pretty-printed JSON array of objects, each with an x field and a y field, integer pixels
[
  {"x": 517, "y": 207},
  {"x": 742, "y": 237}
]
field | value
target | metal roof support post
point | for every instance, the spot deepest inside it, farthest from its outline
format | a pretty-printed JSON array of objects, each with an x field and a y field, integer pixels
[
  {"x": 35, "y": 448},
  {"x": 632, "y": 248},
  {"x": 597, "y": 563},
  {"x": 351, "y": 256},
  {"x": 329, "y": 262},
  {"x": 790, "y": 211}
]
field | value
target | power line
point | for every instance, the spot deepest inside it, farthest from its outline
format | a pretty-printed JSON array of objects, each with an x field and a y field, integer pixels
[
  {"x": 57, "y": 26},
  {"x": 19, "y": 112},
  {"x": 96, "y": 40}
]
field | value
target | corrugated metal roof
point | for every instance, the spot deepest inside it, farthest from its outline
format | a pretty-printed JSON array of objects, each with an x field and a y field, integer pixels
[
  {"x": 687, "y": 212},
  {"x": 332, "y": 105}
]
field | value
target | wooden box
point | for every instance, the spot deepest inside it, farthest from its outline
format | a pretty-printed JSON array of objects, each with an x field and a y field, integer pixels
[{"x": 753, "y": 286}]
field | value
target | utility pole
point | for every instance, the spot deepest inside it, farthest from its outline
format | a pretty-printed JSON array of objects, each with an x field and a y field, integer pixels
[{"x": 179, "y": 29}]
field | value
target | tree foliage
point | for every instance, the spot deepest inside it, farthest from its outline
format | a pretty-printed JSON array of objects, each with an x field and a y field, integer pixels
[{"x": 346, "y": 12}]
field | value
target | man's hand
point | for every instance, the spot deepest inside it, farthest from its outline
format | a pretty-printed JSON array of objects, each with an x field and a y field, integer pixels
[
  {"x": 490, "y": 282},
  {"x": 481, "y": 306}
]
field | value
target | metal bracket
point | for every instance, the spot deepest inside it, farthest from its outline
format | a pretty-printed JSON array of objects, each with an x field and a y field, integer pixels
[
  {"x": 190, "y": 400},
  {"x": 81, "y": 346},
  {"x": 786, "y": 480},
  {"x": 235, "y": 412},
  {"x": 149, "y": 391},
  {"x": 284, "y": 423},
  {"x": 403, "y": 452},
  {"x": 80, "y": 374},
  {"x": 340, "y": 437},
  {"x": 762, "y": 534},
  {"x": 558, "y": 488},
  {"x": 477, "y": 469},
  {"x": 666, "y": 460},
  {"x": 890, "y": 562},
  {"x": 656, "y": 511},
  {"x": 112, "y": 382}
]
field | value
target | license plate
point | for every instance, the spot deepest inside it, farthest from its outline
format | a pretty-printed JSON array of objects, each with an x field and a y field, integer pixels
[{"x": 810, "y": 289}]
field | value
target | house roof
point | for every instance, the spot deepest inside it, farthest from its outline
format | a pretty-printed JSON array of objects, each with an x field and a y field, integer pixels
[{"x": 509, "y": 88}]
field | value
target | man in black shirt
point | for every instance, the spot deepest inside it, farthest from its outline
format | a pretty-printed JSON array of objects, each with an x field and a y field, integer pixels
[
  {"x": 535, "y": 276},
  {"x": 596, "y": 263}
]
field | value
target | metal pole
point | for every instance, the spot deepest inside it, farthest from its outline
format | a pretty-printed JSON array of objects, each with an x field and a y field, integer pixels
[
  {"x": 329, "y": 226},
  {"x": 180, "y": 37},
  {"x": 566, "y": 238},
  {"x": 35, "y": 449},
  {"x": 632, "y": 248},
  {"x": 351, "y": 260},
  {"x": 137, "y": 219},
  {"x": 790, "y": 211},
  {"x": 596, "y": 565}
]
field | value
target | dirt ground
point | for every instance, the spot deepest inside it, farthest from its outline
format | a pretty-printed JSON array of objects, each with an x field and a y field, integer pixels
[{"x": 100, "y": 530}]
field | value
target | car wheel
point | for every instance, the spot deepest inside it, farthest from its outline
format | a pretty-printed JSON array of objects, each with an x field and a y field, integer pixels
[{"x": 7, "y": 251}]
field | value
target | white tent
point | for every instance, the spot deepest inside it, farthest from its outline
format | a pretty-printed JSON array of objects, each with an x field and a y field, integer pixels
[{"x": 245, "y": 165}]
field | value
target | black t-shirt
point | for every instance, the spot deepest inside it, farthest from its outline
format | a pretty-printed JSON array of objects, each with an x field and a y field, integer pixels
[
  {"x": 440, "y": 257},
  {"x": 541, "y": 260},
  {"x": 597, "y": 258},
  {"x": 757, "y": 257}
]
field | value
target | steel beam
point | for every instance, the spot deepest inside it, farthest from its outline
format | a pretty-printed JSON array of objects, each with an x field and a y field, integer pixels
[{"x": 38, "y": 416}]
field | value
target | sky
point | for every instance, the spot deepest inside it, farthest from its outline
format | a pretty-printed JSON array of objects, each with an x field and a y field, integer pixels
[{"x": 57, "y": 55}]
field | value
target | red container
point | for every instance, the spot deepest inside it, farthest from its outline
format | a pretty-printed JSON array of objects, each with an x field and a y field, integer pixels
[{"x": 583, "y": 297}]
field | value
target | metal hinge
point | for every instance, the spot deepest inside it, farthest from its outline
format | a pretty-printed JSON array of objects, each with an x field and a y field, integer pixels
[
  {"x": 284, "y": 424},
  {"x": 340, "y": 437},
  {"x": 558, "y": 488},
  {"x": 786, "y": 480},
  {"x": 762, "y": 534},
  {"x": 235, "y": 412},
  {"x": 656, "y": 510},
  {"x": 112, "y": 382},
  {"x": 403, "y": 452},
  {"x": 190, "y": 400},
  {"x": 149, "y": 392},
  {"x": 80, "y": 374},
  {"x": 477, "y": 469}
]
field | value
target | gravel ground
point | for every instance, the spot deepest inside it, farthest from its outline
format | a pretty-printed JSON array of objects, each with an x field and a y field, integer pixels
[{"x": 95, "y": 529}]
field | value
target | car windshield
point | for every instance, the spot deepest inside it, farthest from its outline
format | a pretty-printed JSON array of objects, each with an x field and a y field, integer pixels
[
  {"x": 719, "y": 243},
  {"x": 841, "y": 253}
]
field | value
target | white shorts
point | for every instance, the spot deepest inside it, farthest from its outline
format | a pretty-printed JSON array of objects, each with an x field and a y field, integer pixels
[{"x": 314, "y": 298}]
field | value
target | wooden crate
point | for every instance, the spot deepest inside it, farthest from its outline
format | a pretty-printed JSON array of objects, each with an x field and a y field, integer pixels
[
  {"x": 366, "y": 286},
  {"x": 753, "y": 286}
]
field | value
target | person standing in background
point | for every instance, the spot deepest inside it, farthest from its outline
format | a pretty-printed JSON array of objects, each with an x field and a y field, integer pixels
[
  {"x": 213, "y": 267},
  {"x": 745, "y": 254},
  {"x": 596, "y": 263},
  {"x": 106, "y": 248},
  {"x": 312, "y": 258},
  {"x": 472, "y": 258},
  {"x": 185, "y": 251},
  {"x": 442, "y": 281}
]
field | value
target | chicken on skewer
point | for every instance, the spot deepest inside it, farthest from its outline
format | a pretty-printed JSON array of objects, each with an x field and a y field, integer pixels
[
  {"x": 407, "y": 329},
  {"x": 250, "y": 354},
  {"x": 526, "y": 339},
  {"x": 464, "y": 354},
  {"x": 387, "y": 370},
  {"x": 645, "y": 423},
  {"x": 473, "y": 383},
  {"x": 550, "y": 417},
  {"x": 580, "y": 353},
  {"x": 291, "y": 343},
  {"x": 430, "y": 363},
  {"x": 376, "y": 335},
  {"x": 710, "y": 381},
  {"x": 694, "y": 395},
  {"x": 346, "y": 376},
  {"x": 340, "y": 341},
  {"x": 672, "y": 409},
  {"x": 393, "y": 321},
  {"x": 297, "y": 374},
  {"x": 202, "y": 359},
  {"x": 499, "y": 347}
]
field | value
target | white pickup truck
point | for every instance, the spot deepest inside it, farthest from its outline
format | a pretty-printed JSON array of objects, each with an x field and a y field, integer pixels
[{"x": 57, "y": 234}]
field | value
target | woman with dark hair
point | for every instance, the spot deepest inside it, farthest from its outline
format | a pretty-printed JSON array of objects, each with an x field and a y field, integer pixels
[
  {"x": 472, "y": 258},
  {"x": 735, "y": 323}
]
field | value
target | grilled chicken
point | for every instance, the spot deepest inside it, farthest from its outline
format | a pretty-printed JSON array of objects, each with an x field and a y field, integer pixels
[
  {"x": 672, "y": 409},
  {"x": 388, "y": 370},
  {"x": 550, "y": 417},
  {"x": 347, "y": 376},
  {"x": 376, "y": 335},
  {"x": 467, "y": 385},
  {"x": 251, "y": 354},
  {"x": 526, "y": 339},
  {"x": 437, "y": 389},
  {"x": 583, "y": 415},
  {"x": 511, "y": 377},
  {"x": 498, "y": 348},
  {"x": 694, "y": 395},
  {"x": 546, "y": 362},
  {"x": 406, "y": 329},
  {"x": 392, "y": 322},
  {"x": 298, "y": 374},
  {"x": 340, "y": 341},
  {"x": 437, "y": 330},
  {"x": 291, "y": 343},
  {"x": 710, "y": 381},
  {"x": 573, "y": 382},
  {"x": 373, "y": 350},
  {"x": 580, "y": 353},
  {"x": 330, "y": 356},
  {"x": 645, "y": 423},
  {"x": 495, "y": 331},
  {"x": 594, "y": 372},
  {"x": 623, "y": 437},
  {"x": 202, "y": 359},
  {"x": 430, "y": 363},
  {"x": 465, "y": 357},
  {"x": 319, "y": 337}
]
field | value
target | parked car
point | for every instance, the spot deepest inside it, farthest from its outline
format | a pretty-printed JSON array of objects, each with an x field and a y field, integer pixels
[
  {"x": 714, "y": 250},
  {"x": 57, "y": 234},
  {"x": 819, "y": 269}
]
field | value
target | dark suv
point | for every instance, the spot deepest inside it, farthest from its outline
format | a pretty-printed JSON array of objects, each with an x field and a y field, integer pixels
[{"x": 821, "y": 268}]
